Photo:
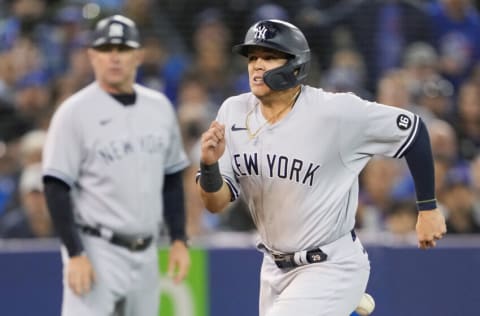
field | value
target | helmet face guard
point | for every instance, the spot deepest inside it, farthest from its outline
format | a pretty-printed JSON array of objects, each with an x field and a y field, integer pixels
[{"x": 283, "y": 37}]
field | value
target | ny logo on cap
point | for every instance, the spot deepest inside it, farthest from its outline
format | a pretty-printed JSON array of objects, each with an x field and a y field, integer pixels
[{"x": 115, "y": 30}]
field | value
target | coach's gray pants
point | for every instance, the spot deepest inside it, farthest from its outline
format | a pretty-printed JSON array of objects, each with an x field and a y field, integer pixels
[{"x": 125, "y": 278}]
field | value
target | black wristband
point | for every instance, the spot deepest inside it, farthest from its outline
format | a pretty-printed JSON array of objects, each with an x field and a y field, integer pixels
[
  {"x": 427, "y": 205},
  {"x": 210, "y": 178},
  {"x": 182, "y": 239}
]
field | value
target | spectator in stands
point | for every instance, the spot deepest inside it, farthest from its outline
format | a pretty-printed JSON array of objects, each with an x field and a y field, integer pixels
[
  {"x": 393, "y": 89},
  {"x": 161, "y": 70},
  {"x": 195, "y": 112},
  {"x": 18, "y": 154},
  {"x": 28, "y": 19},
  {"x": 31, "y": 91},
  {"x": 420, "y": 61},
  {"x": 165, "y": 60},
  {"x": 39, "y": 48},
  {"x": 377, "y": 181},
  {"x": 107, "y": 7},
  {"x": 444, "y": 145},
  {"x": 429, "y": 90},
  {"x": 33, "y": 99},
  {"x": 346, "y": 74},
  {"x": 31, "y": 219},
  {"x": 435, "y": 96},
  {"x": 31, "y": 147},
  {"x": 77, "y": 76},
  {"x": 7, "y": 80},
  {"x": 322, "y": 21},
  {"x": 70, "y": 34},
  {"x": 456, "y": 36},
  {"x": 12, "y": 127},
  {"x": 459, "y": 201},
  {"x": 383, "y": 29},
  {"x": 401, "y": 218},
  {"x": 195, "y": 109},
  {"x": 153, "y": 19},
  {"x": 467, "y": 121},
  {"x": 443, "y": 139},
  {"x": 212, "y": 54},
  {"x": 475, "y": 170},
  {"x": 9, "y": 174},
  {"x": 26, "y": 60}
]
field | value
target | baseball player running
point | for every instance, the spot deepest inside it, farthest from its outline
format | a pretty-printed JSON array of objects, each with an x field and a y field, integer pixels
[
  {"x": 295, "y": 153},
  {"x": 112, "y": 159}
]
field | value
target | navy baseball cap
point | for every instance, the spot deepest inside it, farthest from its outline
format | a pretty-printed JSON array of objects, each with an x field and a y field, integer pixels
[{"x": 116, "y": 29}]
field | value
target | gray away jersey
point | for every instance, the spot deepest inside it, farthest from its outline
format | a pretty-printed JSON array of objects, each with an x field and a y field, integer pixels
[
  {"x": 115, "y": 157},
  {"x": 299, "y": 176}
]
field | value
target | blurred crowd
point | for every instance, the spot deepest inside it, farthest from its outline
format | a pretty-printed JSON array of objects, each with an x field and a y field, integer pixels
[{"x": 420, "y": 55}]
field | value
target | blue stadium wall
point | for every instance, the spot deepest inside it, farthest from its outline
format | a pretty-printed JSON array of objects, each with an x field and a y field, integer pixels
[{"x": 405, "y": 281}]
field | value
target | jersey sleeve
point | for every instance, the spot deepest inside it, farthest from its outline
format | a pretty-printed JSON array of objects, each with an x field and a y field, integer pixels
[
  {"x": 64, "y": 148},
  {"x": 370, "y": 128},
  {"x": 176, "y": 159},
  {"x": 225, "y": 162}
]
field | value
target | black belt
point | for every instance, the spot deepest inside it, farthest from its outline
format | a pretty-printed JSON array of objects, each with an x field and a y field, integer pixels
[
  {"x": 300, "y": 258},
  {"x": 289, "y": 261},
  {"x": 132, "y": 243}
]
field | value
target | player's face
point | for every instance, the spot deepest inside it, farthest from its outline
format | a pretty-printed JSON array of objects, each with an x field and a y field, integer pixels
[
  {"x": 115, "y": 67},
  {"x": 261, "y": 60}
]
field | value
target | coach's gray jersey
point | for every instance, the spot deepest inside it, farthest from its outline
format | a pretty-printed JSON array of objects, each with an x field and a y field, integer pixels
[
  {"x": 299, "y": 176},
  {"x": 115, "y": 157}
]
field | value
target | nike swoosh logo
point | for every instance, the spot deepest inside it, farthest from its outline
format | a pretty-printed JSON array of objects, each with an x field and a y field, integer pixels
[
  {"x": 105, "y": 122},
  {"x": 234, "y": 128}
]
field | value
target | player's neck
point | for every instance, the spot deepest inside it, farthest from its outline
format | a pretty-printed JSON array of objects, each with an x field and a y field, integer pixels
[
  {"x": 278, "y": 105},
  {"x": 116, "y": 89}
]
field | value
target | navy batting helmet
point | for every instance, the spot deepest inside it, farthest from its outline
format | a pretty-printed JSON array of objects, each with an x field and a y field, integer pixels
[
  {"x": 116, "y": 29},
  {"x": 284, "y": 37}
]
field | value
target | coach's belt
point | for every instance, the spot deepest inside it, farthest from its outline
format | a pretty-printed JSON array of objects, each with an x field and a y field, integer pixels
[
  {"x": 132, "y": 243},
  {"x": 301, "y": 258}
]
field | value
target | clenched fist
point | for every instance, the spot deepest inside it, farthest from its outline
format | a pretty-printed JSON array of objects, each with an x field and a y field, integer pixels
[{"x": 213, "y": 143}]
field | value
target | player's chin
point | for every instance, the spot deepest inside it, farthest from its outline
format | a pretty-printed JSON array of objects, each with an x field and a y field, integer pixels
[
  {"x": 116, "y": 76},
  {"x": 117, "y": 82},
  {"x": 259, "y": 89}
]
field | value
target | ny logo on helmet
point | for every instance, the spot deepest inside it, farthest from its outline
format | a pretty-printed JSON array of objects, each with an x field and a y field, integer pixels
[
  {"x": 260, "y": 33},
  {"x": 263, "y": 32},
  {"x": 115, "y": 30}
]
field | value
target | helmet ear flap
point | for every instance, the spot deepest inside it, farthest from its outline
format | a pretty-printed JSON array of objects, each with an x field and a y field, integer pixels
[
  {"x": 286, "y": 76},
  {"x": 280, "y": 78}
]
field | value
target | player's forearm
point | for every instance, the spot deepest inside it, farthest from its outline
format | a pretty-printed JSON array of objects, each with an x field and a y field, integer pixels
[
  {"x": 217, "y": 201},
  {"x": 420, "y": 162},
  {"x": 174, "y": 210},
  {"x": 61, "y": 211}
]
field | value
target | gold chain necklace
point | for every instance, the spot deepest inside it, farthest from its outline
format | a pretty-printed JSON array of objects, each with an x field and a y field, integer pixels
[{"x": 251, "y": 134}]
